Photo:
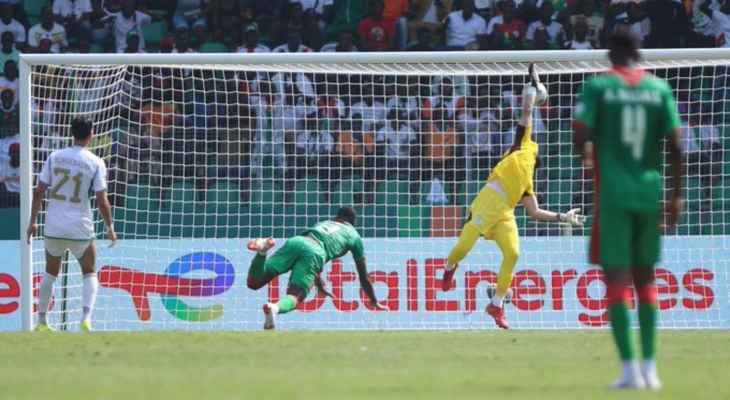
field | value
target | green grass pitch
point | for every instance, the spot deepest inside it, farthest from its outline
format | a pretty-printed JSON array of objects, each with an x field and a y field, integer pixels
[{"x": 351, "y": 365}]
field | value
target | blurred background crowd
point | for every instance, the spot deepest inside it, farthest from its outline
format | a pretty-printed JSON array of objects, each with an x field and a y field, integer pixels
[{"x": 203, "y": 127}]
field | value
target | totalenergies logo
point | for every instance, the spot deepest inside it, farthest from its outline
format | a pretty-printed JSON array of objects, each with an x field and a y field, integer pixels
[{"x": 173, "y": 286}]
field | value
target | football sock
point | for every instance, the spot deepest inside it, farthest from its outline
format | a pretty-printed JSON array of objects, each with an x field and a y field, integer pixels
[
  {"x": 90, "y": 288},
  {"x": 647, "y": 320},
  {"x": 510, "y": 253},
  {"x": 498, "y": 300},
  {"x": 619, "y": 316},
  {"x": 469, "y": 235},
  {"x": 44, "y": 296},
  {"x": 286, "y": 304}
]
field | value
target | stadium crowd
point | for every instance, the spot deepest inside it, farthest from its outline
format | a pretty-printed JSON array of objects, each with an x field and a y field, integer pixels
[{"x": 326, "y": 125}]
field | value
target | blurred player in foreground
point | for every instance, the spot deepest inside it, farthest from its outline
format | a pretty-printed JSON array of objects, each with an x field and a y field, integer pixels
[
  {"x": 621, "y": 120},
  {"x": 305, "y": 255},
  {"x": 71, "y": 174},
  {"x": 491, "y": 214}
]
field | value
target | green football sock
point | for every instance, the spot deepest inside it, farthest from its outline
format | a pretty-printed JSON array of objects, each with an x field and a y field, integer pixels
[
  {"x": 286, "y": 304},
  {"x": 619, "y": 315},
  {"x": 257, "y": 266},
  {"x": 647, "y": 323}
]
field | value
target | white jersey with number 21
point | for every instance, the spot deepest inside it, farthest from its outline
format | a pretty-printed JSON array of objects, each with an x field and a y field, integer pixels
[{"x": 72, "y": 175}]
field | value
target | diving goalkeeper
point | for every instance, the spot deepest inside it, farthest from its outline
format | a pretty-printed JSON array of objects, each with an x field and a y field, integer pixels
[
  {"x": 305, "y": 255},
  {"x": 491, "y": 214}
]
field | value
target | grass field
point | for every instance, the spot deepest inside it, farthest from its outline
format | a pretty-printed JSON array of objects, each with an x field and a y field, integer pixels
[{"x": 350, "y": 365}]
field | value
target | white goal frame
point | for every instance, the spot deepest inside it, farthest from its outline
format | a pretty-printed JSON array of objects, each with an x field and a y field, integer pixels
[{"x": 560, "y": 61}]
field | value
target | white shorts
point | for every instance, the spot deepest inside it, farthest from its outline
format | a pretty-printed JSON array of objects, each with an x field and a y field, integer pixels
[{"x": 56, "y": 247}]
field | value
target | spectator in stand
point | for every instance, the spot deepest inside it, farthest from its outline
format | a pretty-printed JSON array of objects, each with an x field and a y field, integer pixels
[
  {"x": 347, "y": 16},
  {"x": 507, "y": 30},
  {"x": 10, "y": 178},
  {"x": 182, "y": 43},
  {"x": 397, "y": 11},
  {"x": 9, "y": 24},
  {"x": 190, "y": 14},
  {"x": 669, "y": 23},
  {"x": 133, "y": 42},
  {"x": 366, "y": 141},
  {"x": 293, "y": 43},
  {"x": 447, "y": 101},
  {"x": 427, "y": 14},
  {"x": 48, "y": 29},
  {"x": 327, "y": 162},
  {"x": 580, "y": 37},
  {"x": 102, "y": 19},
  {"x": 252, "y": 41},
  {"x": 74, "y": 15},
  {"x": 129, "y": 20},
  {"x": 637, "y": 20},
  {"x": 464, "y": 27},
  {"x": 555, "y": 34},
  {"x": 8, "y": 107},
  {"x": 703, "y": 149},
  {"x": 8, "y": 52},
  {"x": 369, "y": 110},
  {"x": 720, "y": 21},
  {"x": 703, "y": 29},
  {"x": 348, "y": 150},
  {"x": 375, "y": 32},
  {"x": 343, "y": 44},
  {"x": 439, "y": 149},
  {"x": 594, "y": 21},
  {"x": 9, "y": 80},
  {"x": 424, "y": 41},
  {"x": 319, "y": 10}
]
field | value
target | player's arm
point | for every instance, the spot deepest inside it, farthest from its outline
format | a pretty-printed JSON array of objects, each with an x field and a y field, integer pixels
[
  {"x": 583, "y": 142},
  {"x": 529, "y": 95},
  {"x": 38, "y": 194},
  {"x": 321, "y": 287},
  {"x": 105, "y": 208},
  {"x": 572, "y": 217},
  {"x": 367, "y": 287}
]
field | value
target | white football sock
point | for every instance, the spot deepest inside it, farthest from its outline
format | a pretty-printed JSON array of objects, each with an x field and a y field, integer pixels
[
  {"x": 497, "y": 300},
  {"x": 91, "y": 287},
  {"x": 648, "y": 367},
  {"x": 44, "y": 296},
  {"x": 631, "y": 368}
]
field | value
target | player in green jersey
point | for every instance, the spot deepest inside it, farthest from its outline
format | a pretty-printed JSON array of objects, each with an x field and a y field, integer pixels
[
  {"x": 305, "y": 255},
  {"x": 622, "y": 119}
]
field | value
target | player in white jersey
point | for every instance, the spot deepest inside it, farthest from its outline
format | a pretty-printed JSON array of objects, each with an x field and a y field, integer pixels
[{"x": 70, "y": 175}]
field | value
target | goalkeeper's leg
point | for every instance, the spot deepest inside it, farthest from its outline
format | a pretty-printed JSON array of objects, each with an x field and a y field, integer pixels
[
  {"x": 508, "y": 241},
  {"x": 258, "y": 276},
  {"x": 468, "y": 237},
  {"x": 304, "y": 271}
]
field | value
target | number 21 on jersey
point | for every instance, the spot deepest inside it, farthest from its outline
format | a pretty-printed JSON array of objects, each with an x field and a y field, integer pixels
[{"x": 633, "y": 129}]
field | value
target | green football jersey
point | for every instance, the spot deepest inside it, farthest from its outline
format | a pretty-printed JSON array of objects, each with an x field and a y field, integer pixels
[
  {"x": 629, "y": 123},
  {"x": 337, "y": 238}
]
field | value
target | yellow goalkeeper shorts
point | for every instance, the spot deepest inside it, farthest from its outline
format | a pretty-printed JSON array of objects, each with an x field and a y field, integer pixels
[{"x": 491, "y": 214}]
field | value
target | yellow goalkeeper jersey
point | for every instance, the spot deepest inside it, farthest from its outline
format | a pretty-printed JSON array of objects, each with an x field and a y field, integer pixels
[{"x": 515, "y": 171}]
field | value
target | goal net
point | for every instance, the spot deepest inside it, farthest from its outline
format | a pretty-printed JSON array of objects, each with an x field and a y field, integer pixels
[{"x": 207, "y": 151}]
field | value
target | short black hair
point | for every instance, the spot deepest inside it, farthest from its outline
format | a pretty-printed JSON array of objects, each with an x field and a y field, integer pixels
[
  {"x": 80, "y": 128},
  {"x": 623, "y": 47},
  {"x": 347, "y": 214}
]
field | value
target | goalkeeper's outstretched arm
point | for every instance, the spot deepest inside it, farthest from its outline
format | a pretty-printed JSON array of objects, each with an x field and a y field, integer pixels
[
  {"x": 529, "y": 96},
  {"x": 572, "y": 217}
]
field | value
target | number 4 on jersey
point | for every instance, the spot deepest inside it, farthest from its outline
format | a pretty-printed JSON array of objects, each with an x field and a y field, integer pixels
[{"x": 633, "y": 129}]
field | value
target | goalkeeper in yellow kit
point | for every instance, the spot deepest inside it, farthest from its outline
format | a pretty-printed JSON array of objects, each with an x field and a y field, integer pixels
[{"x": 491, "y": 214}]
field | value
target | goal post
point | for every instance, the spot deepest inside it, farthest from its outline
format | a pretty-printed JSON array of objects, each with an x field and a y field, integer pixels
[{"x": 208, "y": 150}]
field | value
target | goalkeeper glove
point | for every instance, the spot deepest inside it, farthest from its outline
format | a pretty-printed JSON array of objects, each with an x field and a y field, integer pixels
[{"x": 573, "y": 217}]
